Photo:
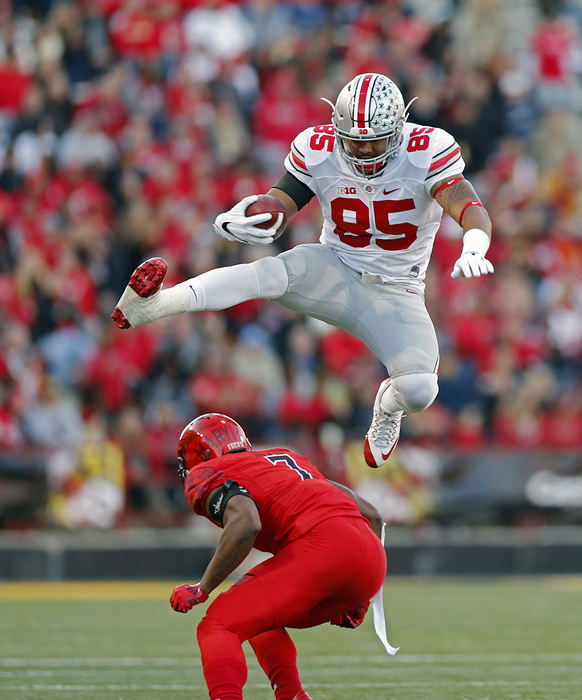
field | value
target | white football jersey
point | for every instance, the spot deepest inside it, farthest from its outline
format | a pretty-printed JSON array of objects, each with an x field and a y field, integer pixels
[{"x": 383, "y": 226}]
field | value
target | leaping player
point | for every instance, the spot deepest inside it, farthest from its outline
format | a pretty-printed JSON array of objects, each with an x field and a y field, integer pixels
[{"x": 382, "y": 184}]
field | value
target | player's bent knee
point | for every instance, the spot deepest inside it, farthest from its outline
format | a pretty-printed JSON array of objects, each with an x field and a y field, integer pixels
[
  {"x": 272, "y": 277},
  {"x": 416, "y": 391},
  {"x": 210, "y": 629}
]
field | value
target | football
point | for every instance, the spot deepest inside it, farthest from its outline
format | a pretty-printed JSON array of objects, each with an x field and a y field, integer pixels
[{"x": 267, "y": 204}]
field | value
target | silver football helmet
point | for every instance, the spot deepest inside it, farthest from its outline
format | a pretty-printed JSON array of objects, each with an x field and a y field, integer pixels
[{"x": 368, "y": 108}]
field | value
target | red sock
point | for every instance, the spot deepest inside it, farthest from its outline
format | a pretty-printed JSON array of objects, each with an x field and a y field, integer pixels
[
  {"x": 223, "y": 662},
  {"x": 277, "y": 656},
  {"x": 225, "y": 679}
]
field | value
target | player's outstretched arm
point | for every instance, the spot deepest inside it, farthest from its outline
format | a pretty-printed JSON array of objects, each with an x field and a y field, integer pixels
[
  {"x": 459, "y": 199},
  {"x": 241, "y": 525},
  {"x": 366, "y": 508}
]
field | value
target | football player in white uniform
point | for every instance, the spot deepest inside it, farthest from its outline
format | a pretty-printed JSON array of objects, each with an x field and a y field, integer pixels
[{"x": 382, "y": 185}]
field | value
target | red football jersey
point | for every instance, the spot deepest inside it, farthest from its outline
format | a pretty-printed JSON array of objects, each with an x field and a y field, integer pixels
[{"x": 291, "y": 494}]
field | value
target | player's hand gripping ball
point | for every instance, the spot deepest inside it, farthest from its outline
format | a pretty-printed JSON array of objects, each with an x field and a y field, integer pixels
[
  {"x": 185, "y": 597},
  {"x": 258, "y": 219},
  {"x": 266, "y": 204}
]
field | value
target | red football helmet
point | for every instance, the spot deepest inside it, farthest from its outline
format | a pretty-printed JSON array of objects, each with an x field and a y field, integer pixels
[{"x": 207, "y": 437}]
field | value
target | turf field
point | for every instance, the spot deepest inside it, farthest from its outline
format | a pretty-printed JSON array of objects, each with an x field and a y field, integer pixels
[{"x": 475, "y": 639}]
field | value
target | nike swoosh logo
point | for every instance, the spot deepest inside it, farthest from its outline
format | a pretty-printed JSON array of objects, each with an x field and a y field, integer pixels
[
  {"x": 390, "y": 192},
  {"x": 225, "y": 228},
  {"x": 194, "y": 291}
]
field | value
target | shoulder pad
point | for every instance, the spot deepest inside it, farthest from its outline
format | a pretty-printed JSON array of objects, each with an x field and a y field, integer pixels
[
  {"x": 309, "y": 148},
  {"x": 445, "y": 156},
  {"x": 432, "y": 150},
  {"x": 199, "y": 482}
]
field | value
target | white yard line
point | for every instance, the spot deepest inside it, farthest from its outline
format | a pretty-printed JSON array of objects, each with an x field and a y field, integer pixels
[
  {"x": 261, "y": 686},
  {"x": 308, "y": 661}
]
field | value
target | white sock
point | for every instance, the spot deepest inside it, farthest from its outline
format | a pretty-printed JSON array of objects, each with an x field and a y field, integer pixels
[
  {"x": 172, "y": 301},
  {"x": 227, "y": 286},
  {"x": 213, "y": 290}
]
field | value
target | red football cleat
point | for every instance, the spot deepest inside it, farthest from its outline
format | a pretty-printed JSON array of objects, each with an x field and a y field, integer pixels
[{"x": 137, "y": 304}]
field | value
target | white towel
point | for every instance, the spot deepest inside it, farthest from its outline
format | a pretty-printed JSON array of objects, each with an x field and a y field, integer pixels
[{"x": 378, "y": 613}]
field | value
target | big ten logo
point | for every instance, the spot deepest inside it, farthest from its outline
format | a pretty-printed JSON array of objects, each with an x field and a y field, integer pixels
[{"x": 347, "y": 190}]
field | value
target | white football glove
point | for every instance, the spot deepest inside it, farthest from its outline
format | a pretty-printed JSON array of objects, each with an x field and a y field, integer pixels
[
  {"x": 473, "y": 262},
  {"x": 234, "y": 225}
]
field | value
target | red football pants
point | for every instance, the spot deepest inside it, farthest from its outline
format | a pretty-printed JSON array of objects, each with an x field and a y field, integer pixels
[{"x": 338, "y": 565}]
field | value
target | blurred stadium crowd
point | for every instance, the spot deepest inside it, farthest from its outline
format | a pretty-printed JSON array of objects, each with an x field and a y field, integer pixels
[{"x": 126, "y": 126}]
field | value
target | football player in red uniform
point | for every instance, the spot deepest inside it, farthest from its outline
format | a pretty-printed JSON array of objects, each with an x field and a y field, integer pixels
[
  {"x": 328, "y": 558},
  {"x": 382, "y": 184}
]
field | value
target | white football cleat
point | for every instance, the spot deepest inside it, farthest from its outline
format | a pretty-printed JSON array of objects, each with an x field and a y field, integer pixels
[
  {"x": 140, "y": 300},
  {"x": 383, "y": 433}
]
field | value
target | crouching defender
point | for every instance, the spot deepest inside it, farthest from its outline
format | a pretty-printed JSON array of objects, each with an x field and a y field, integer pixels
[{"x": 328, "y": 558}]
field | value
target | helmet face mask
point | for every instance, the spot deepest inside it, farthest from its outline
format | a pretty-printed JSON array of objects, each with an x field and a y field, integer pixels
[
  {"x": 369, "y": 108},
  {"x": 206, "y": 437}
]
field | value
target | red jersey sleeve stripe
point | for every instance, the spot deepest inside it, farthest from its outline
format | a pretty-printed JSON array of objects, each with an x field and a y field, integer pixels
[
  {"x": 445, "y": 169},
  {"x": 444, "y": 160},
  {"x": 298, "y": 162}
]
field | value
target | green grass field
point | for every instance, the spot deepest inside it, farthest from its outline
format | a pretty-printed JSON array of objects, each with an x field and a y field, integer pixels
[{"x": 475, "y": 639}]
